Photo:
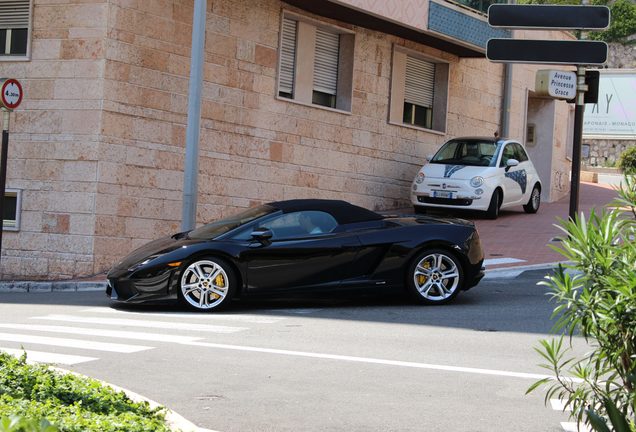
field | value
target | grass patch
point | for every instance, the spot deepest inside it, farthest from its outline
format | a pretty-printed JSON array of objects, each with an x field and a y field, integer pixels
[{"x": 71, "y": 403}]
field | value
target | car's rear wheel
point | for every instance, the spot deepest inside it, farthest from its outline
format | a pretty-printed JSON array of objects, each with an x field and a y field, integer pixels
[
  {"x": 207, "y": 284},
  {"x": 534, "y": 202},
  {"x": 435, "y": 277},
  {"x": 495, "y": 204}
]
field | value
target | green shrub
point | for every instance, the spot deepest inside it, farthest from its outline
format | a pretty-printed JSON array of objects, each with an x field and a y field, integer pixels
[
  {"x": 596, "y": 300},
  {"x": 30, "y": 393},
  {"x": 627, "y": 161}
]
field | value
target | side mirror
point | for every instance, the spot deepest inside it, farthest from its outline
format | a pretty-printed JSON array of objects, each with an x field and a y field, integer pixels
[
  {"x": 429, "y": 157},
  {"x": 262, "y": 235},
  {"x": 511, "y": 163}
]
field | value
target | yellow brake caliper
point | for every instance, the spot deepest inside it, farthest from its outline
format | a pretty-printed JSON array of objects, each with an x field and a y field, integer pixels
[
  {"x": 421, "y": 278},
  {"x": 219, "y": 281}
]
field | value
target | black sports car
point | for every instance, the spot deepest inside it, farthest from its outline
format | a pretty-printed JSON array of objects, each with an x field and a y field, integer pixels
[{"x": 302, "y": 245}]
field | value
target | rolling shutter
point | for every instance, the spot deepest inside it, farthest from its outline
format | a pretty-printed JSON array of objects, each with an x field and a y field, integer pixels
[
  {"x": 287, "y": 56},
  {"x": 14, "y": 14},
  {"x": 326, "y": 62},
  {"x": 420, "y": 82}
]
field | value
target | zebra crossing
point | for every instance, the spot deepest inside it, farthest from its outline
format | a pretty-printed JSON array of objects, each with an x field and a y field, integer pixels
[
  {"x": 107, "y": 330},
  {"x": 559, "y": 405}
]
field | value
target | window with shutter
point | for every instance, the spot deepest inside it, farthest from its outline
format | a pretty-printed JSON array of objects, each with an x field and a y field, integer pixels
[
  {"x": 287, "y": 58},
  {"x": 14, "y": 26},
  {"x": 326, "y": 68},
  {"x": 419, "y": 91}
]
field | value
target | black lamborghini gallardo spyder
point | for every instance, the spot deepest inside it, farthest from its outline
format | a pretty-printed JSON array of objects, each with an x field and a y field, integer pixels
[{"x": 296, "y": 246}]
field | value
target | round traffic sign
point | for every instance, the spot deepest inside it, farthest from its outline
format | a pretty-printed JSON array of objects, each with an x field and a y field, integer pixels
[{"x": 11, "y": 93}]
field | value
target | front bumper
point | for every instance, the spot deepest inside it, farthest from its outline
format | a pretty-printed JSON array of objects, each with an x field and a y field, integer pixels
[
  {"x": 124, "y": 286},
  {"x": 457, "y": 194}
]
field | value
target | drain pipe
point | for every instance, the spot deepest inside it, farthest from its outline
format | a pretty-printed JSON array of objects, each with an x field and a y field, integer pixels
[
  {"x": 506, "y": 101},
  {"x": 507, "y": 95},
  {"x": 191, "y": 168}
]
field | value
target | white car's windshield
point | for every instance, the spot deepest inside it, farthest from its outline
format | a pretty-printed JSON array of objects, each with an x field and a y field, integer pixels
[{"x": 473, "y": 152}]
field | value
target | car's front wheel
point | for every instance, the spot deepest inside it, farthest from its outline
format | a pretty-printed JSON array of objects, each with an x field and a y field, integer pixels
[
  {"x": 435, "y": 277},
  {"x": 495, "y": 204},
  {"x": 207, "y": 284},
  {"x": 534, "y": 202}
]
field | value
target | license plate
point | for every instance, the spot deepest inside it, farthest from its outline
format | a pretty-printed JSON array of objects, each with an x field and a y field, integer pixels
[{"x": 442, "y": 194}]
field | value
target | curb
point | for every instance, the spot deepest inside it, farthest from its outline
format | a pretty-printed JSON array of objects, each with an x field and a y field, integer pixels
[
  {"x": 512, "y": 272},
  {"x": 176, "y": 421},
  {"x": 46, "y": 287}
]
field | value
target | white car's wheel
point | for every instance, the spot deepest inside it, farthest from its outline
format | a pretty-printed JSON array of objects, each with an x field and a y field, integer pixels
[
  {"x": 534, "y": 202},
  {"x": 495, "y": 204},
  {"x": 207, "y": 284}
]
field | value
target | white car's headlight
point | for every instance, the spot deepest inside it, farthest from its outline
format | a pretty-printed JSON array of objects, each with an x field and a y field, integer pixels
[
  {"x": 476, "y": 181},
  {"x": 419, "y": 178}
]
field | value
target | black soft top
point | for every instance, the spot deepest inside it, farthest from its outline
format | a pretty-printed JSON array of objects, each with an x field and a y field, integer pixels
[{"x": 342, "y": 211}]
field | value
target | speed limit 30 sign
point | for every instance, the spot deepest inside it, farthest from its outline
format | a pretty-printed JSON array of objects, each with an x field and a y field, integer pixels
[{"x": 11, "y": 93}]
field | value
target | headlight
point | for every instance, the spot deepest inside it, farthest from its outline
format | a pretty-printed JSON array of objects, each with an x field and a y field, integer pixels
[
  {"x": 142, "y": 263},
  {"x": 419, "y": 178},
  {"x": 476, "y": 181}
]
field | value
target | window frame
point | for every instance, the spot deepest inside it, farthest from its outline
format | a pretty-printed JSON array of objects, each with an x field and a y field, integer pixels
[
  {"x": 303, "y": 86},
  {"x": 27, "y": 55},
  {"x": 441, "y": 87},
  {"x": 15, "y": 226}
]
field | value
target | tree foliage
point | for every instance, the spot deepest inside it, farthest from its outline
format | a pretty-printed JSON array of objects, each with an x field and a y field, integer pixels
[{"x": 622, "y": 17}]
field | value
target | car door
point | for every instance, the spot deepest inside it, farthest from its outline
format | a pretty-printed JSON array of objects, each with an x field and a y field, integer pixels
[
  {"x": 300, "y": 257},
  {"x": 514, "y": 178}
]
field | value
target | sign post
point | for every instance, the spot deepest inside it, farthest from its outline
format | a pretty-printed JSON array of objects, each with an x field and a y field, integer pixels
[
  {"x": 10, "y": 97},
  {"x": 577, "y": 53}
]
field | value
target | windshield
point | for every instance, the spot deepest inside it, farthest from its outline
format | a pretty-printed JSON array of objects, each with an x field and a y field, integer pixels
[
  {"x": 222, "y": 226},
  {"x": 473, "y": 152}
]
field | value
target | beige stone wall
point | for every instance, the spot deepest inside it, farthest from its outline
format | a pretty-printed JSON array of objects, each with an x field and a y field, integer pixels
[
  {"x": 54, "y": 141},
  {"x": 100, "y": 138}
]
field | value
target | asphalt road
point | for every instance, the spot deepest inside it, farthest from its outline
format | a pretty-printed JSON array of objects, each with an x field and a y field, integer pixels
[{"x": 377, "y": 363}]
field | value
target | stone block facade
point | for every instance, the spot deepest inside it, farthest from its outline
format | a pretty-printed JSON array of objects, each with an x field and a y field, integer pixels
[{"x": 97, "y": 146}]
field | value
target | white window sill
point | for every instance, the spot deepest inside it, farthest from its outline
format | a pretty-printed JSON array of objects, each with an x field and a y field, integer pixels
[
  {"x": 419, "y": 128},
  {"x": 322, "y": 107}
]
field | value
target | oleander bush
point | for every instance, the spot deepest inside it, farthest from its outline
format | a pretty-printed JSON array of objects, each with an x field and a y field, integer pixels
[
  {"x": 627, "y": 161},
  {"x": 596, "y": 299},
  {"x": 38, "y": 398}
]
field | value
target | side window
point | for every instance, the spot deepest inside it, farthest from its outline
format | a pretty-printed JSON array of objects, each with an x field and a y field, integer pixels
[
  {"x": 508, "y": 153},
  {"x": 301, "y": 224},
  {"x": 520, "y": 153},
  {"x": 315, "y": 64},
  {"x": 15, "y": 17}
]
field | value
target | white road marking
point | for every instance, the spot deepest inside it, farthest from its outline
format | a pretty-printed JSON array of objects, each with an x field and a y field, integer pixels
[
  {"x": 495, "y": 261},
  {"x": 144, "y": 323},
  {"x": 256, "y": 319},
  {"x": 573, "y": 427},
  {"x": 46, "y": 357},
  {"x": 73, "y": 343},
  {"x": 375, "y": 361},
  {"x": 103, "y": 333},
  {"x": 558, "y": 405}
]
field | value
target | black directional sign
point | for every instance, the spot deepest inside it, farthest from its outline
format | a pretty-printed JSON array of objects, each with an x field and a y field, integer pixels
[
  {"x": 547, "y": 51},
  {"x": 548, "y": 16}
]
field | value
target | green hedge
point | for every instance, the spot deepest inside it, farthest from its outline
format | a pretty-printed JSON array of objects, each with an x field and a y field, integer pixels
[
  {"x": 29, "y": 393},
  {"x": 627, "y": 161}
]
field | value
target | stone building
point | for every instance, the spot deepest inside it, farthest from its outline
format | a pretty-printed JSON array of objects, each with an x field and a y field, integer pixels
[{"x": 331, "y": 99}]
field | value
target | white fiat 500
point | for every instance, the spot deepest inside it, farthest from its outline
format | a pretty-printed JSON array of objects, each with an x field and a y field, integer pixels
[{"x": 485, "y": 174}]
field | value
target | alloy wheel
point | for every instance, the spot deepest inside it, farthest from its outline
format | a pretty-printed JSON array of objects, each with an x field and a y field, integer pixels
[
  {"x": 436, "y": 277},
  {"x": 204, "y": 284}
]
